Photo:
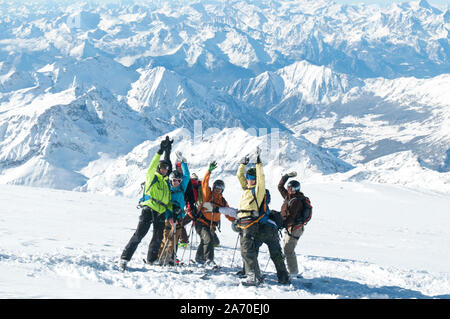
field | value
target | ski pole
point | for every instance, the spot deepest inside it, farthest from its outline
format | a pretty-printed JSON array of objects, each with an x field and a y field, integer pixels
[
  {"x": 234, "y": 251},
  {"x": 174, "y": 243},
  {"x": 164, "y": 248},
  {"x": 190, "y": 245}
]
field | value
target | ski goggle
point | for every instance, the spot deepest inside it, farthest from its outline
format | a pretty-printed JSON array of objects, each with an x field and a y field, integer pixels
[
  {"x": 220, "y": 187},
  {"x": 251, "y": 177}
]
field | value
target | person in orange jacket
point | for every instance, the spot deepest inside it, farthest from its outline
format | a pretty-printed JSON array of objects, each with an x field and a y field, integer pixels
[{"x": 209, "y": 217}]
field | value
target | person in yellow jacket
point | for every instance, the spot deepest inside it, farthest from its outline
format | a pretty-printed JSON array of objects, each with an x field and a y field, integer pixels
[
  {"x": 209, "y": 217},
  {"x": 154, "y": 204},
  {"x": 254, "y": 189}
]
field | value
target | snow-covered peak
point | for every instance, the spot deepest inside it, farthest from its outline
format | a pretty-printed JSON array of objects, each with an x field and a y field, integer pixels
[
  {"x": 85, "y": 50},
  {"x": 280, "y": 152},
  {"x": 361, "y": 82},
  {"x": 404, "y": 169},
  {"x": 317, "y": 84}
]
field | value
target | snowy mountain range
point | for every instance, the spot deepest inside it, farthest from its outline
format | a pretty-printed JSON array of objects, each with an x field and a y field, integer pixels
[{"x": 337, "y": 92}]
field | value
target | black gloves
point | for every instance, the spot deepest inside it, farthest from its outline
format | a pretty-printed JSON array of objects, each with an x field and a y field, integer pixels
[
  {"x": 166, "y": 145},
  {"x": 258, "y": 153},
  {"x": 244, "y": 160}
]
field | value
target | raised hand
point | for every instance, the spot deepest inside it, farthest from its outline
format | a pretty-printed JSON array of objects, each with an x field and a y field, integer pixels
[
  {"x": 180, "y": 157},
  {"x": 166, "y": 144},
  {"x": 212, "y": 166},
  {"x": 244, "y": 160},
  {"x": 258, "y": 155},
  {"x": 292, "y": 174}
]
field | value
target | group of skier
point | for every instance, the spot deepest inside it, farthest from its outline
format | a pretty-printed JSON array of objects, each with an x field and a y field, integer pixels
[{"x": 172, "y": 198}]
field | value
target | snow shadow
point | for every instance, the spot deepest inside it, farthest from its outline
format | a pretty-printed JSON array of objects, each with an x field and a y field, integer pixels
[{"x": 347, "y": 289}]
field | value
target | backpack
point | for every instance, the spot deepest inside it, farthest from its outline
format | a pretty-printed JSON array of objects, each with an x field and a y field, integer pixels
[
  {"x": 307, "y": 211},
  {"x": 305, "y": 215},
  {"x": 275, "y": 217},
  {"x": 264, "y": 207}
]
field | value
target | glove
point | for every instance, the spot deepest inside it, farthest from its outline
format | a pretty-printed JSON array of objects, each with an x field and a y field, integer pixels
[
  {"x": 180, "y": 157},
  {"x": 292, "y": 174},
  {"x": 258, "y": 155},
  {"x": 212, "y": 166},
  {"x": 166, "y": 145},
  {"x": 244, "y": 160},
  {"x": 161, "y": 148}
]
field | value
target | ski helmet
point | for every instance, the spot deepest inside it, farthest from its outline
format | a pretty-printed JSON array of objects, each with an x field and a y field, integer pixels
[
  {"x": 175, "y": 175},
  {"x": 219, "y": 184},
  {"x": 163, "y": 164},
  {"x": 251, "y": 173},
  {"x": 295, "y": 185}
]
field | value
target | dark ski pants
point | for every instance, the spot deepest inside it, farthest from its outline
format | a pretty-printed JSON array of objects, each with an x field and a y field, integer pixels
[
  {"x": 205, "y": 250},
  {"x": 148, "y": 216},
  {"x": 269, "y": 236},
  {"x": 249, "y": 252}
]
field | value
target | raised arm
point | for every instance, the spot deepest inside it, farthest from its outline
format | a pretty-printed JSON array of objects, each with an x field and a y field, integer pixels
[
  {"x": 260, "y": 189},
  {"x": 283, "y": 191},
  {"x": 206, "y": 190},
  {"x": 186, "y": 176},
  {"x": 241, "y": 176},
  {"x": 152, "y": 169}
]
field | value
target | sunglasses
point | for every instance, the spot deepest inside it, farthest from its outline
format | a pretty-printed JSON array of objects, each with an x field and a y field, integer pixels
[{"x": 176, "y": 180}]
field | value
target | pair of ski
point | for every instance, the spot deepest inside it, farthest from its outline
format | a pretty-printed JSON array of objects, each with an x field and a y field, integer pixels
[{"x": 299, "y": 278}]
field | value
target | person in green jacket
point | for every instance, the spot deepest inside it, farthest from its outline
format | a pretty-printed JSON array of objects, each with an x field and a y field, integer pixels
[
  {"x": 154, "y": 205},
  {"x": 254, "y": 190}
]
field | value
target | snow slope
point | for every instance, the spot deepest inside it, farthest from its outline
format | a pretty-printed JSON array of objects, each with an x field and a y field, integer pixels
[{"x": 364, "y": 241}]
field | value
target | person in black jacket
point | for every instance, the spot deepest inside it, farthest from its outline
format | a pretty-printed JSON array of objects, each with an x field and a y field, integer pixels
[{"x": 191, "y": 210}]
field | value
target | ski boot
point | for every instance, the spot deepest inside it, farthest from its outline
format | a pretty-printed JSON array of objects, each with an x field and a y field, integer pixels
[{"x": 123, "y": 264}]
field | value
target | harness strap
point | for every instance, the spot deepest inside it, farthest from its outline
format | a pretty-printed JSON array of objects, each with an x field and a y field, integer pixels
[
  {"x": 294, "y": 228},
  {"x": 211, "y": 223},
  {"x": 251, "y": 223},
  {"x": 147, "y": 197}
]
